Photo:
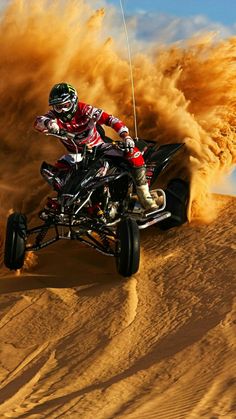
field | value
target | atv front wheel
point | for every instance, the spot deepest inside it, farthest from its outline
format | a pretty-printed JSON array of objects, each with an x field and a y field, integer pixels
[
  {"x": 177, "y": 199},
  {"x": 128, "y": 247},
  {"x": 15, "y": 242}
]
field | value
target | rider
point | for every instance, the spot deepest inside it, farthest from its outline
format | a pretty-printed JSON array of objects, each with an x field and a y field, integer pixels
[{"x": 71, "y": 115}]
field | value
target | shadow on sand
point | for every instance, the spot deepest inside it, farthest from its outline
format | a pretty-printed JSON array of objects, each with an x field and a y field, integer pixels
[{"x": 63, "y": 265}]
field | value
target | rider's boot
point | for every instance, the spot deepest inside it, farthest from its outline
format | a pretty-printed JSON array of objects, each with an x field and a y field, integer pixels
[{"x": 145, "y": 198}]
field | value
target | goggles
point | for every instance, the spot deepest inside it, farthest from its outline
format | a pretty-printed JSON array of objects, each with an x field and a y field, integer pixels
[{"x": 63, "y": 107}]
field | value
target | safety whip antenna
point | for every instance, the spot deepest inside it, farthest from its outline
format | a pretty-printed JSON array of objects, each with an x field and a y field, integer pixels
[{"x": 131, "y": 70}]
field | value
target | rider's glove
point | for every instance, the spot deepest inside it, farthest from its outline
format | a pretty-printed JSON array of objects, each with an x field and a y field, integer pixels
[
  {"x": 53, "y": 127},
  {"x": 129, "y": 144}
]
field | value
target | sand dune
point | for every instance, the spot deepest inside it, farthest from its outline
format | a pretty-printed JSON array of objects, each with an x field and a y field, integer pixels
[{"x": 78, "y": 341}]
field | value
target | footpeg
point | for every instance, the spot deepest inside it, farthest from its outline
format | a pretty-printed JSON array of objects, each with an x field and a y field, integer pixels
[{"x": 152, "y": 212}]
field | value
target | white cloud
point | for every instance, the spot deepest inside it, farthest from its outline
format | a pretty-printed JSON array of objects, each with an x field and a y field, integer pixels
[{"x": 164, "y": 28}]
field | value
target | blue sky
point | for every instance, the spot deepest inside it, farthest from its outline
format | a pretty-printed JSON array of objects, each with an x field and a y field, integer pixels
[
  {"x": 222, "y": 11},
  {"x": 173, "y": 20}
]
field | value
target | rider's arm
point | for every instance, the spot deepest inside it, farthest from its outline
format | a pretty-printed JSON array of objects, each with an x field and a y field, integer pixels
[
  {"x": 41, "y": 122},
  {"x": 120, "y": 128},
  {"x": 113, "y": 122}
]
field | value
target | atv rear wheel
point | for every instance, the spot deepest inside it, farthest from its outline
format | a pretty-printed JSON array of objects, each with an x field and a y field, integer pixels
[
  {"x": 177, "y": 198},
  {"x": 128, "y": 247},
  {"x": 15, "y": 242}
]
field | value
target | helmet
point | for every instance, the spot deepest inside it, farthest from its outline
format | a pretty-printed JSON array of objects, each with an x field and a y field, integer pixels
[{"x": 64, "y": 100}]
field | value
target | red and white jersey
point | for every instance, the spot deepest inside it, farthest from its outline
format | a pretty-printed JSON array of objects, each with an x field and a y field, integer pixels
[{"x": 83, "y": 124}]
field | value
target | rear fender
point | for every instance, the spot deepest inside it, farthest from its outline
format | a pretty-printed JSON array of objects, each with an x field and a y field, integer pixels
[
  {"x": 162, "y": 154},
  {"x": 158, "y": 159}
]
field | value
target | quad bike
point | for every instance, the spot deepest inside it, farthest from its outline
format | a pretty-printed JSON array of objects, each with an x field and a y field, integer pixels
[{"x": 97, "y": 205}]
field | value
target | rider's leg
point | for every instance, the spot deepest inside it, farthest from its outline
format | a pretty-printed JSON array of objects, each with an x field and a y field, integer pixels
[
  {"x": 142, "y": 188},
  {"x": 139, "y": 173}
]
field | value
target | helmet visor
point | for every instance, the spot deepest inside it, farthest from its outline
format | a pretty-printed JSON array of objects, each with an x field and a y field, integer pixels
[{"x": 63, "y": 107}]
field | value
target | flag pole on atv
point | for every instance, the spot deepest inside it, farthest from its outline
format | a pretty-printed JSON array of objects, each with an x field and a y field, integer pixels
[{"x": 131, "y": 71}]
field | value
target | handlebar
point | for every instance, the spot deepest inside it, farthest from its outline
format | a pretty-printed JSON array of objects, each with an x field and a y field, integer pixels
[{"x": 63, "y": 135}]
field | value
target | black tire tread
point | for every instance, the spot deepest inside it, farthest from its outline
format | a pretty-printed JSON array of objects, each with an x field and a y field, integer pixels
[
  {"x": 15, "y": 241},
  {"x": 177, "y": 198},
  {"x": 129, "y": 256}
]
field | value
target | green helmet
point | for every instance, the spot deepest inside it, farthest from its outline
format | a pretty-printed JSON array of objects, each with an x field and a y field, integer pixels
[{"x": 64, "y": 100}]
